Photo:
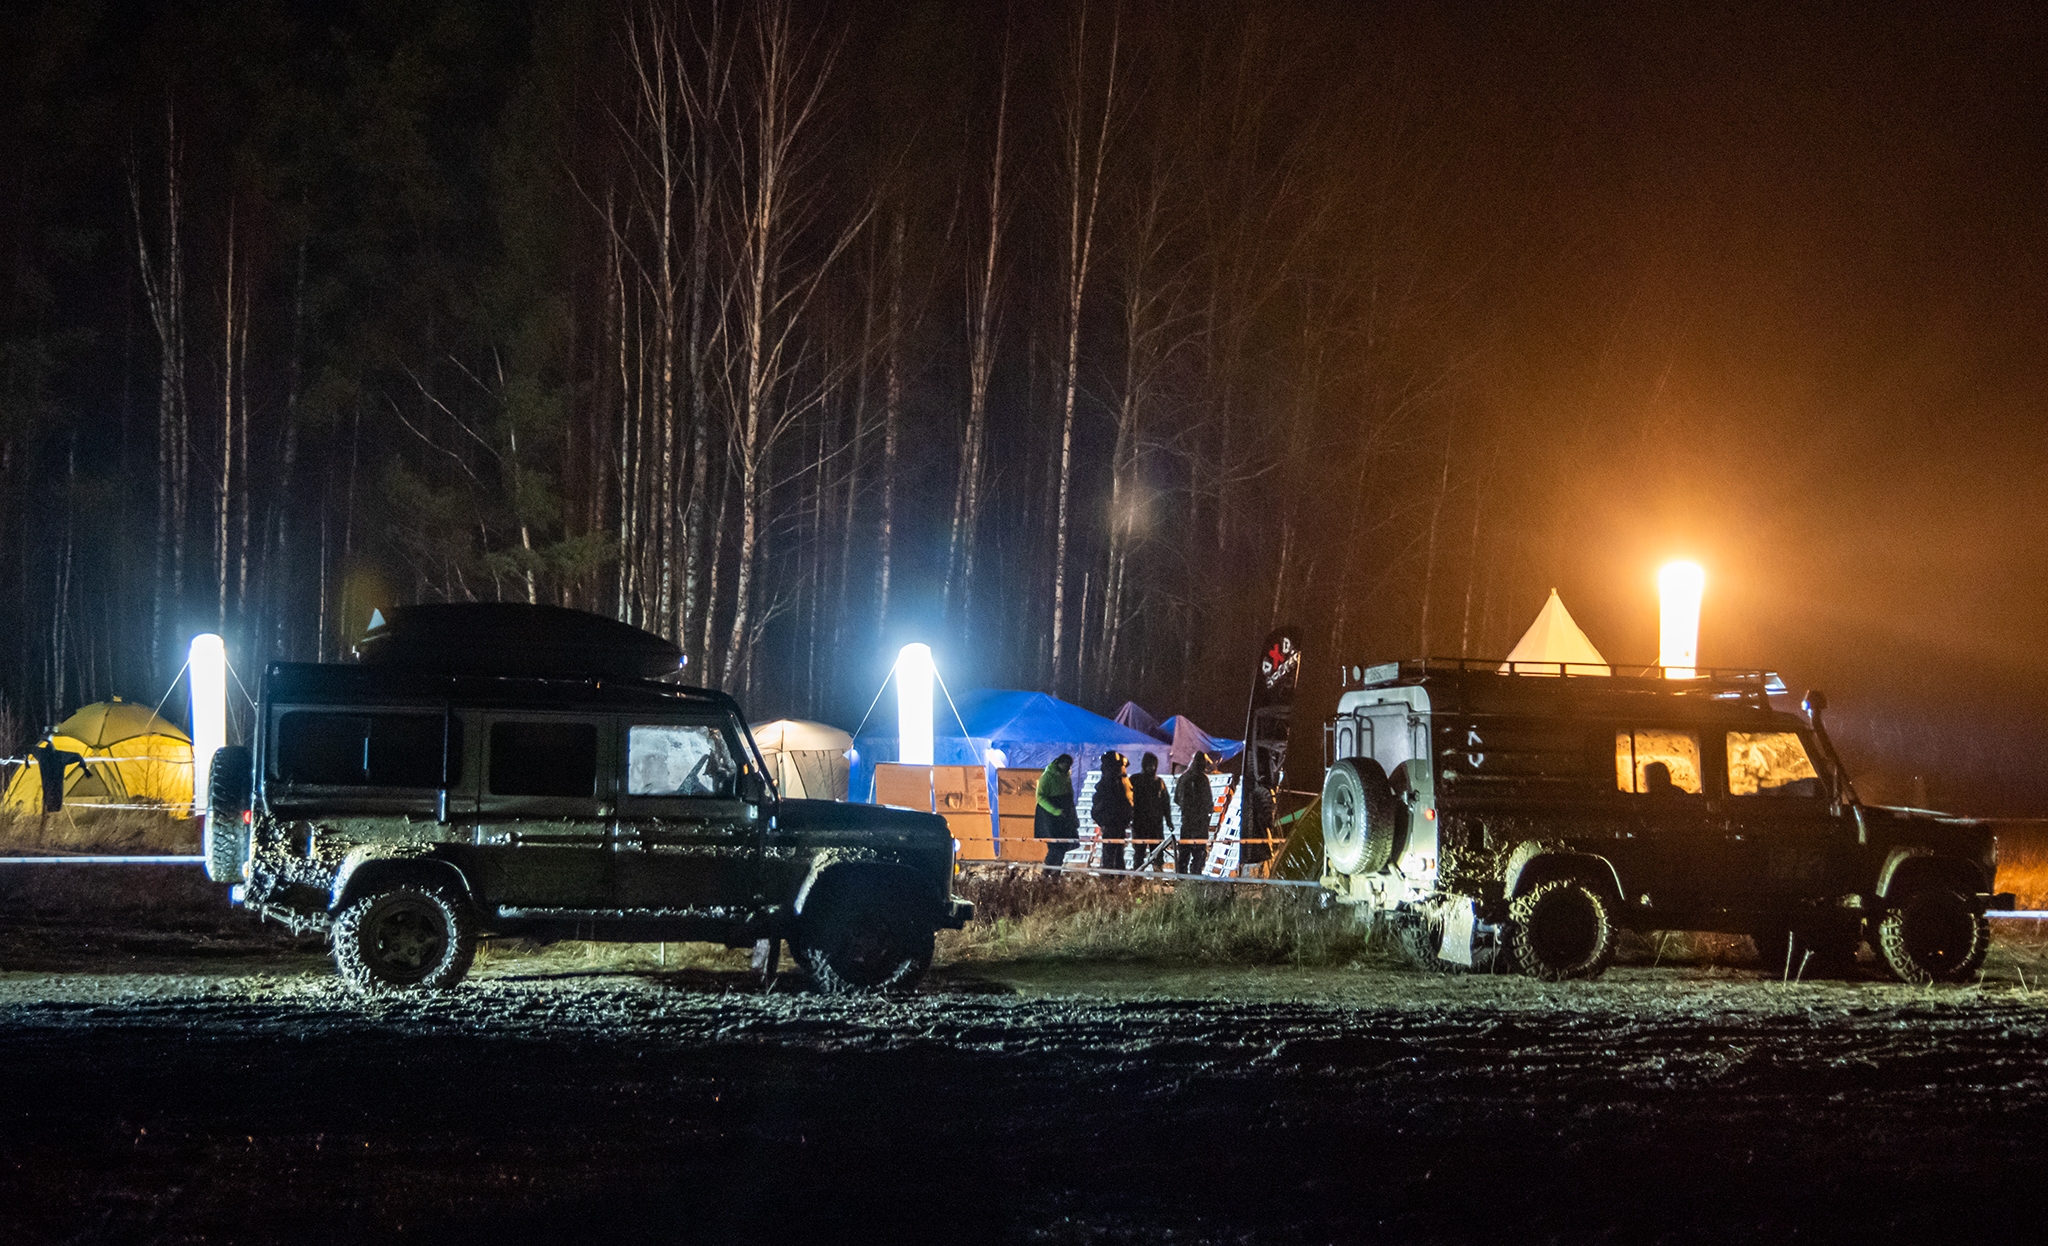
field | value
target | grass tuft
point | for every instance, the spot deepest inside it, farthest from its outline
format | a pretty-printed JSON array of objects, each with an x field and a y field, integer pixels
[
  {"x": 1034, "y": 915},
  {"x": 84, "y": 829}
]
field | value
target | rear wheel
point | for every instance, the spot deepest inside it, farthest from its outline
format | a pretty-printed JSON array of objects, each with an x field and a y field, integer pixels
[
  {"x": 861, "y": 939},
  {"x": 1561, "y": 929},
  {"x": 404, "y": 936},
  {"x": 1934, "y": 935}
]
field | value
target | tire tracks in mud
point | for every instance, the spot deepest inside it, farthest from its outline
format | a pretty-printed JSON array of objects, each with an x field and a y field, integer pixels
[{"x": 283, "y": 1108}]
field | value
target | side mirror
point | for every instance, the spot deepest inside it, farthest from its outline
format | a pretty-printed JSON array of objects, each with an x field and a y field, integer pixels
[
  {"x": 753, "y": 789},
  {"x": 1816, "y": 702}
]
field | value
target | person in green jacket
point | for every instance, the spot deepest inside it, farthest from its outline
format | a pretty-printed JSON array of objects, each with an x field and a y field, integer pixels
[{"x": 1055, "y": 820}]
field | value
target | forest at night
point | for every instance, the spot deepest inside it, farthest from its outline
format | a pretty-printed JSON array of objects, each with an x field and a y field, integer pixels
[{"x": 1085, "y": 342}]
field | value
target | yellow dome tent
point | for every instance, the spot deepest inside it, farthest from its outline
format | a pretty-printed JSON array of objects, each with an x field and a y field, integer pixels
[{"x": 132, "y": 757}]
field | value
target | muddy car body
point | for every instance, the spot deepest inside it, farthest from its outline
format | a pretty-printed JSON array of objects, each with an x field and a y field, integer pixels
[
  {"x": 1521, "y": 818},
  {"x": 408, "y": 809}
]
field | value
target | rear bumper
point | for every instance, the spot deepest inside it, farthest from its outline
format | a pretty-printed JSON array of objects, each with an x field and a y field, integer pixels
[{"x": 958, "y": 913}]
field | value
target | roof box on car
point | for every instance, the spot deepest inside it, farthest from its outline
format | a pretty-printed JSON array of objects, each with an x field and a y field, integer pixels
[{"x": 513, "y": 639}]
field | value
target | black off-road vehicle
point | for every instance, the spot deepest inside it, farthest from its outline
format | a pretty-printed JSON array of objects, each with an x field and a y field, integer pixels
[
  {"x": 1519, "y": 817},
  {"x": 523, "y": 770}
]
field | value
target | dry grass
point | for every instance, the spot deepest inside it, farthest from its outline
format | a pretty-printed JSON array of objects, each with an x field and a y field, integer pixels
[
  {"x": 568, "y": 957},
  {"x": 81, "y": 828},
  {"x": 1030, "y": 915},
  {"x": 2023, "y": 864}
]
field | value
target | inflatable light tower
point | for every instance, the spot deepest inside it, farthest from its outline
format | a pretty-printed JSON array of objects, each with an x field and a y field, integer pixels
[
  {"x": 207, "y": 667},
  {"x": 914, "y": 672},
  {"x": 1679, "y": 588}
]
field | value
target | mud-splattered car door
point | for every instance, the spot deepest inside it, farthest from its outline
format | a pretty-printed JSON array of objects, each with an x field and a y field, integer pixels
[
  {"x": 686, "y": 843},
  {"x": 1663, "y": 781},
  {"x": 543, "y": 821},
  {"x": 1779, "y": 820}
]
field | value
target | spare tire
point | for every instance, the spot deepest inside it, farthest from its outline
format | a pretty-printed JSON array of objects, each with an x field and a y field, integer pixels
[
  {"x": 226, "y": 836},
  {"x": 1361, "y": 817}
]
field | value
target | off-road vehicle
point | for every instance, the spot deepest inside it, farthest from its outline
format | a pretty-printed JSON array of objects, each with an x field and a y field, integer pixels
[
  {"x": 1517, "y": 816},
  {"x": 524, "y": 770}
]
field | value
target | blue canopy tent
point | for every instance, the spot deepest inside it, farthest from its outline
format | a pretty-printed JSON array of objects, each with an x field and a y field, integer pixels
[{"x": 1028, "y": 729}]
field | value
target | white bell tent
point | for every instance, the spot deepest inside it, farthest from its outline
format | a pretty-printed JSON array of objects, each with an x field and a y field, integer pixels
[
  {"x": 806, "y": 759},
  {"x": 1554, "y": 645}
]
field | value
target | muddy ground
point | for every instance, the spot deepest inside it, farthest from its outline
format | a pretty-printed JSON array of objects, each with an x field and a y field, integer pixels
[{"x": 185, "y": 1079}]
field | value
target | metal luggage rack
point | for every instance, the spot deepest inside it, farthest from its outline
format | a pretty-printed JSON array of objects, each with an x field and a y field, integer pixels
[{"x": 1716, "y": 681}]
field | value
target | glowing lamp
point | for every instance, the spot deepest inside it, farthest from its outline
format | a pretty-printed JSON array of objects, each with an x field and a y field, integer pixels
[
  {"x": 914, "y": 675},
  {"x": 1679, "y": 588},
  {"x": 207, "y": 668}
]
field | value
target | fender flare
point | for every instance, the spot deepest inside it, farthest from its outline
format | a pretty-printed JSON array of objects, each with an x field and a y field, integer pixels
[
  {"x": 1907, "y": 862},
  {"x": 365, "y": 867},
  {"x": 839, "y": 868},
  {"x": 1534, "y": 861}
]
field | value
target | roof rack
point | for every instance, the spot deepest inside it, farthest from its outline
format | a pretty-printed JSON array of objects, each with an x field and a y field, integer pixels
[{"x": 1717, "y": 681}]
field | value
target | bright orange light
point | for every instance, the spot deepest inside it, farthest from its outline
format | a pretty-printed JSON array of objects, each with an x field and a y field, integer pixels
[{"x": 1679, "y": 588}]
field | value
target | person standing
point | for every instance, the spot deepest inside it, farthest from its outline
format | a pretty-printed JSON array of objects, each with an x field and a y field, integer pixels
[
  {"x": 1151, "y": 810},
  {"x": 1111, "y": 810},
  {"x": 1197, "y": 805},
  {"x": 1054, "y": 819}
]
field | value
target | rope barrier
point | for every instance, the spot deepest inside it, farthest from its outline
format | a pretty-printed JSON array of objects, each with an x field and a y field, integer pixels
[
  {"x": 103, "y": 860},
  {"x": 1156, "y": 875}
]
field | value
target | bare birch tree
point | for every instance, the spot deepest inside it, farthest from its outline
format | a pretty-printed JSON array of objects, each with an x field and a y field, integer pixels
[
  {"x": 1085, "y": 130},
  {"x": 163, "y": 287},
  {"x": 982, "y": 329}
]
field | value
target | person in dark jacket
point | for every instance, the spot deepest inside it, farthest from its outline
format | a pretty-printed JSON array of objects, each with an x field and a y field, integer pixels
[
  {"x": 51, "y": 763},
  {"x": 1151, "y": 811},
  {"x": 1054, "y": 819},
  {"x": 1111, "y": 810},
  {"x": 1197, "y": 804}
]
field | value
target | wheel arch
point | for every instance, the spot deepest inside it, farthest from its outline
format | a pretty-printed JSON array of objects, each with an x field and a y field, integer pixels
[
  {"x": 1534, "y": 863},
  {"x": 1908, "y": 869},
  {"x": 833, "y": 874},
  {"x": 364, "y": 871}
]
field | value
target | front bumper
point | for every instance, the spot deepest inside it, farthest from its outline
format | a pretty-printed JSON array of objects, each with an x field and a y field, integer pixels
[{"x": 958, "y": 913}]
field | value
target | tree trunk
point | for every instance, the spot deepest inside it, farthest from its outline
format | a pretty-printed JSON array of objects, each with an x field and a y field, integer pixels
[
  {"x": 981, "y": 353},
  {"x": 164, "y": 291},
  {"x": 1084, "y": 173},
  {"x": 892, "y": 409}
]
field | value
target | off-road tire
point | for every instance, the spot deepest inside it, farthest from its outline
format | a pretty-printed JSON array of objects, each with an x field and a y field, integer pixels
[
  {"x": 1420, "y": 939},
  {"x": 406, "y": 936},
  {"x": 864, "y": 939},
  {"x": 1561, "y": 929},
  {"x": 226, "y": 836},
  {"x": 1933, "y": 935},
  {"x": 1833, "y": 951},
  {"x": 1361, "y": 817}
]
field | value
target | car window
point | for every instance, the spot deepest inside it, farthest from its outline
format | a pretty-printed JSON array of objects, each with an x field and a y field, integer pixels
[
  {"x": 1652, "y": 762},
  {"x": 674, "y": 759},
  {"x": 543, "y": 759},
  {"x": 1770, "y": 763},
  {"x": 366, "y": 750}
]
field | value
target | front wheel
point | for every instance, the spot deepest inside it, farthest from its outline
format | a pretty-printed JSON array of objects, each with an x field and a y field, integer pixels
[
  {"x": 404, "y": 936},
  {"x": 1935, "y": 935},
  {"x": 864, "y": 940},
  {"x": 1561, "y": 929}
]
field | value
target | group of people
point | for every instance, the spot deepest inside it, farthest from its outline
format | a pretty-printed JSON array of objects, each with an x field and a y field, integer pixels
[{"x": 1131, "y": 812}]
